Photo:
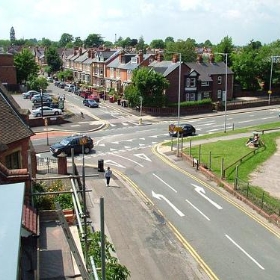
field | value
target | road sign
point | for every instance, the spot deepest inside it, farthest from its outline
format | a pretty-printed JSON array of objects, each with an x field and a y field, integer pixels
[
  {"x": 270, "y": 92},
  {"x": 83, "y": 141},
  {"x": 178, "y": 129}
]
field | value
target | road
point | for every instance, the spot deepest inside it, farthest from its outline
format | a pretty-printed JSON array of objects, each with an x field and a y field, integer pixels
[{"x": 231, "y": 242}]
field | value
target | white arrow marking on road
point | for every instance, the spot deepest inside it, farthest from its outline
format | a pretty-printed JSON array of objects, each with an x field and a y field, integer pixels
[
  {"x": 115, "y": 142},
  {"x": 128, "y": 160},
  {"x": 143, "y": 156},
  {"x": 110, "y": 162},
  {"x": 160, "y": 196},
  {"x": 201, "y": 191},
  {"x": 142, "y": 138}
]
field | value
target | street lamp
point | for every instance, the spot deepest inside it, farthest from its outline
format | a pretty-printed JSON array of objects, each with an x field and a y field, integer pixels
[
  {"x": 226, "y": 86},
  {"x": 273, "y": 59},
  {"x": 42, "y": 112}
]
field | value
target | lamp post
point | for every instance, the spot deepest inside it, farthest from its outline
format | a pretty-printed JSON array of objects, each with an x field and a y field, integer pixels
[
  {"x": 273, "y": 59},
  {"x": 226, "y": 86},
  {"x": 42, "y": 112}
]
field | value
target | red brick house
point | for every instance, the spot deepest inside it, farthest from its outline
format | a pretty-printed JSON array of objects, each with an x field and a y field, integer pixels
[
  {"x": 17, "y": 153},
  {"x": 8, "y": 75}
]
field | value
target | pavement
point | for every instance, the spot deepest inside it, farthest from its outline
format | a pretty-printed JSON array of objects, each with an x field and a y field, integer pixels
[{"x": 140, "y": 234}]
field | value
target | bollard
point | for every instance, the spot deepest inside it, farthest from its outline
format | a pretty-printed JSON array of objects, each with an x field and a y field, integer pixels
[{"x": 100, "y": 165}]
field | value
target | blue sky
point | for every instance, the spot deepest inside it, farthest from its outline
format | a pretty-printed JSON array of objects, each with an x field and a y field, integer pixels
[{"x": 201, "y": 20}]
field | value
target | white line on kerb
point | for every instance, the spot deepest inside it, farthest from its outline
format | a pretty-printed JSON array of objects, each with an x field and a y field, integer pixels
[{"x": 250, "y": 257}]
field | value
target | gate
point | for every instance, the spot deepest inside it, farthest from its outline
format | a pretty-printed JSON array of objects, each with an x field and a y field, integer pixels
[{"x": 47, "y": 165}]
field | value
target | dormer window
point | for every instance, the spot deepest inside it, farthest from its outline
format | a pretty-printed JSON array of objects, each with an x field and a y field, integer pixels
[
  {"x": 219, "y": 80},
  {"x": 134, "y": 60}
]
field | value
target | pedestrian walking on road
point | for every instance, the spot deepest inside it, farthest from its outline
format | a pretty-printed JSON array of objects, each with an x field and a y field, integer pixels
[{"x": 108, "y": 174}]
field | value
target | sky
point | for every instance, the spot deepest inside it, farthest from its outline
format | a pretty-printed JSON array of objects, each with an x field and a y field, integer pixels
[{"x": 201, "y": 20}]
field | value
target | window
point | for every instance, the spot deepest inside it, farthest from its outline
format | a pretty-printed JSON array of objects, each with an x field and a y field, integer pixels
[
  {"x": 204, "y": 84},
  {"x": 219, "y": 94},
  {"x": 13, "y": 160},
  {"x": 219, "y": 80},
  {"x": 190, "y": 83}
]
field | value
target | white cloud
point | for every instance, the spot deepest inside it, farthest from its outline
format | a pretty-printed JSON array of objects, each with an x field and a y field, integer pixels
[{"x": 157, "y": 19}]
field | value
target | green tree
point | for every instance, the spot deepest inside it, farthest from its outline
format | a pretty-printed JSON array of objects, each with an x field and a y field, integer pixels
[
  {"x": 37, "y": 83},
  {"x": 186, "y": 48},
  {"x": 169, "y": 39},
  {"x": 65, "y": 39},
  {"x": 148, "y": 85},
  {"x": 114, "y": 270},
  {"x": 93, "y": 40},
  {"x": 157, "y": 44},
  {"x": 25, "y": 65},
  {"x": 53, "y": 59},
  {"x": 141, "y": 44},
  {"x": 78, "y": 42},
  {"x": 46, "y": 42},
  {"x": 225, "y": 46}
]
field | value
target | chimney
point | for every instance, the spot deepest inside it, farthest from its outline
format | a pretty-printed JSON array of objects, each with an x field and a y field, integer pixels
[
  {"x": 211, "y": 58},
  {"x": 175, "y": 58},
  {"x": 199, "y": 58},
  {"x": 140, "y": 57},
  {"x": 80, "y": 51},
  {"x": 159, "y": 57},
  {"x": 89, "y": 53}
]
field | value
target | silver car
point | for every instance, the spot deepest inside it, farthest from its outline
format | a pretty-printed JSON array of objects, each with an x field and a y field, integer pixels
[
  {"x": 37, "y": 98},
  {"x": 29, "y": 94},
  {"x": 47, "y": 111}
]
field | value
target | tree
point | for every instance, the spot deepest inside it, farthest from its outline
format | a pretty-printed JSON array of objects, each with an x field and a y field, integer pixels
[
  {"x": 46, "y": 42},
  {"x": 148, "y": 85},
  {"x": 53, "y": 59},
  {"x": 37, "y": 83},
  {"x": 25, "y": 65},
  {"x": 157, "y": 44},
  {"x": 114, "y": 270},
  {"x": 186, "y": 48},
  {"x": 93, "y": 40},
  {"x": 78, "y": 42},
  {"x": 225, "y": 46},
  {"x": 169, "y": 39},
  {"x": 141, "y": 44},
  {"x": 65, "y": 39}
]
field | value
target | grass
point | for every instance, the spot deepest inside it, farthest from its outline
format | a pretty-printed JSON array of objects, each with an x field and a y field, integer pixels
[{"x": 235, "y": 153}]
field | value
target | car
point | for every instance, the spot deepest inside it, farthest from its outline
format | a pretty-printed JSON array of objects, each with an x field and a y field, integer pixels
[
  {"x": 69, "y": 87},
  {"x": 29, "y": 94},
  {"x": 90, "y": 103},
  {"x": 76, "y": 142},
  {"x": 50, "y": 79},
  {"x": 47, "y": 111},
  {"x": 45, "y": 98},
  {"x": 187, "y": 130}
]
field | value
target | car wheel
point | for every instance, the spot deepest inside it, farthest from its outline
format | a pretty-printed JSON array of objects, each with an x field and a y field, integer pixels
[
  {"x": 38, "y": 115},
  {"x": 87, "y": 150},
  {"x": 56, "y": 113}
]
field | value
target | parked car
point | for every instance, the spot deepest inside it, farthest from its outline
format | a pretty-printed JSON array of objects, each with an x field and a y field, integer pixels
[
  {"x": 90, "y": 103},
  {"x": 50, "y": 79},
  {"x": 76, "y": 142},
  {"x": 29, "y": 94},
  {"x": 187, "y": 129},
  {"x": 37, "y": 98},
  {"x": 47, "y": 111},
  {"x": 69, "y": 87}
]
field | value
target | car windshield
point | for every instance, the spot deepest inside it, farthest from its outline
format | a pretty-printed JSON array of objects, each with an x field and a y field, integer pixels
[{"x": 64, "y": 142}]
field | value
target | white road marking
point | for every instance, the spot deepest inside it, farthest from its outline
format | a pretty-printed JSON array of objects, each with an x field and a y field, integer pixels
[
  {"x": 242, "y": 250},
  {"x": 160, "y": 196},
  {"x": 165, "y": 183},
  {"x": 198, "y": 210},
  {"x": 143, "y": 156},
  {"x": 129, "y": 160},
  {"x": 201, "y": 191},
  {"x": 110, "y": 162}
]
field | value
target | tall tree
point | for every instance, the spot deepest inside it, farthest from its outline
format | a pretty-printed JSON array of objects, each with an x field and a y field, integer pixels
[
  {"x": 78, "y": 42},
  {"x": 141, "y": 44},
  {"x": 149, "y": 86},
  {"x": 53, "y": 59},
  {"x": 186, "y": 48},
  {"x": 26, "y": 66},
  {"x": 157, "y": 44},
  {"x": 93, "y": 40},
  {"x": 65, "y": 39},
  {"x": 225, "y": 46}
]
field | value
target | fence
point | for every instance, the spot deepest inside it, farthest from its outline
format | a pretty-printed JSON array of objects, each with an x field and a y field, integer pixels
[
  {"x": 47, "y": 165},
  {"x": 258, "y": 197}
]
